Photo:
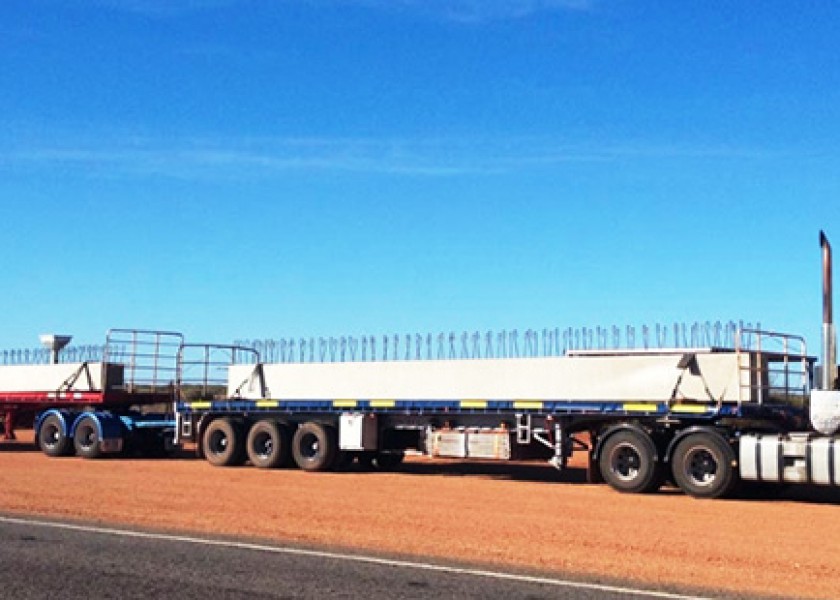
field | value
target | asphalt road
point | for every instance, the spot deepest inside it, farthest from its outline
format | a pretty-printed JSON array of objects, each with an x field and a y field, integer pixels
[{"x": 40, "y": 559}]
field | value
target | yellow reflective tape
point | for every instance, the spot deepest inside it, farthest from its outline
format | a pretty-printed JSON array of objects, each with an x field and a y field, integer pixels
[
  {"x": 199, "y": 405},
  {"x": 640, "y": 406},
  {"x": 382, "y": 403},
  {"x": 267, "y": 403},
  {"x": 344, "y": 404},
  {"x": 473, "y": 403},
  {"x": 690, "y": 408},
  {"x": 528, "y": 404}
]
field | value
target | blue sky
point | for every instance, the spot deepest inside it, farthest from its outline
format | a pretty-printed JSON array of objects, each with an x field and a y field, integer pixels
[{"x": 251, "y": 169}]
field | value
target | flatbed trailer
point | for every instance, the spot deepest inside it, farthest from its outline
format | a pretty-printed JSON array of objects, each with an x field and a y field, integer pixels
[
  {"x": 631, "y": 411},
  {"x": 705, "y": 418}
]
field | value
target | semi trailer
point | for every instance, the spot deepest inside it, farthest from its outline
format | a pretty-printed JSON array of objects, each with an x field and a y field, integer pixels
[{"x": 706, "y": 418}]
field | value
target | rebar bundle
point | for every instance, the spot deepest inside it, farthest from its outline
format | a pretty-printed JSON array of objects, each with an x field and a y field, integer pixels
[
  {"x": 444, "y": 345},
  {"x": 488, "y": 344}
]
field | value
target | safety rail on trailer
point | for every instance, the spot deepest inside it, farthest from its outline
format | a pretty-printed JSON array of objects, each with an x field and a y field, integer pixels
[
  {"x": 148, "y": 361},
  {"x": 202, "y": 369},
  {"x": 202, "y": 378},
  {"x": 775, "y": 368}
]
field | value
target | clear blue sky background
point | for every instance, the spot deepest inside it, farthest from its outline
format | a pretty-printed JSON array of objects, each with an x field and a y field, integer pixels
[{"x": 252, "y": 169}]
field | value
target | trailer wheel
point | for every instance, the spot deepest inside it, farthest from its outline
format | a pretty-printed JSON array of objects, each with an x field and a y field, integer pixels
[
  {"x": 628, "y": 463},
  {"x": 52, "y": 437},
  {"x": 702, "y": 464},
  {"x": 315, "y": 447},
  {"x": 86, "y": 438},
  {"x": 223, "y": 444},
  {"x": 268, "y": 445}
]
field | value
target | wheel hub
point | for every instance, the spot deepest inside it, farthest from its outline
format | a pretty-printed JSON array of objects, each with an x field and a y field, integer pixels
[
  {"x": 52, "y": 435},
  {"x": 625, "y": 462},
  {"x": 264, "y": 445},
  {"x": 701, "y": 466},
  {"x": 311, "y": 446},
  {"x": 218, "y": 443}
]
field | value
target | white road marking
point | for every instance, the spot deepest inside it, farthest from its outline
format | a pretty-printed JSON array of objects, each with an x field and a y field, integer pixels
[{"x": 353, "y": 558}]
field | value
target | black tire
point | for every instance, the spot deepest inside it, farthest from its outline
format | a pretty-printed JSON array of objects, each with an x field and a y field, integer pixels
[
  {"x": 52, "y": 438},
  {"x": 628, "y": 464},
  {"x": 702, "y": 464},
  {"x": 86, "y": 438},
  {"x": 223, "y": 443},
  {"x": 315, "y": 447},
  {"x": 268, "y": 445},
  {"x": 386, "y": 461}
]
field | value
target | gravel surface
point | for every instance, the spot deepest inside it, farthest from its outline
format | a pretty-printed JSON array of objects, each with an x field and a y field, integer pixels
[{"x": 523, "y": 517}]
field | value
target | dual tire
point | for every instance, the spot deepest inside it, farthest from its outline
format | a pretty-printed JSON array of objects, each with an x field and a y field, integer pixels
[
  {"x": 86, "y": 438},
  {"x": 223, "y": 443},
  {"x": 702, "y": 464},
  {"x": 268, "y": 444},
  {"x": 52, "y": 437},
  {"x": 315, "y": 447},
  {"x": 85, "y": 441},
  {"x": 628, "y": 463}
]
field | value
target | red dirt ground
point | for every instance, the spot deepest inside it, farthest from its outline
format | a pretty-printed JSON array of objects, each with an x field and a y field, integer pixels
[{"x": 500, "y": 514}]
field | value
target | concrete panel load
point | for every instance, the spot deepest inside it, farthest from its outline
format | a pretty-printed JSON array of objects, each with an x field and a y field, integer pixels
[{"x": 640, "y": 376}]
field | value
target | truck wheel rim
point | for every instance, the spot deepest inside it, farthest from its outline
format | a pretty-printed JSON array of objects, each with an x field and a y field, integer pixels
[
  {"x": 263, "y": 445},
  {"x": 218, "y": 442},
  {"x": 625, "y": 462},
  {"x": 51, "y": 435},
  {"x": 701, "y": 466},
  {"x": 87, "y": 437},
  {"x": 310, "y": 446}
]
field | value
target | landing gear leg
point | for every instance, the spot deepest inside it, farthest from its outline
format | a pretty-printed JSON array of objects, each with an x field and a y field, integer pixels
[{"x": 9, "y": 425}]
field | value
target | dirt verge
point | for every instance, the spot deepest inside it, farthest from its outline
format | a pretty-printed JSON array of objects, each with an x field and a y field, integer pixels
[{"x": 518, "y": 516}]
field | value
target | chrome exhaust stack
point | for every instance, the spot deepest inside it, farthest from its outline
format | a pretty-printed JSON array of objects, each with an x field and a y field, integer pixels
[
  {"x": 828, "y": 381},
  {"x": 825, "y": 401}
]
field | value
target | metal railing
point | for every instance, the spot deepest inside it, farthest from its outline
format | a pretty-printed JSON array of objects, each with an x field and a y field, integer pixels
[
  {"x": 148, "y": 359},
  {"x": 203, "y": 369},
  {"x": 774, "y": 367}
]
